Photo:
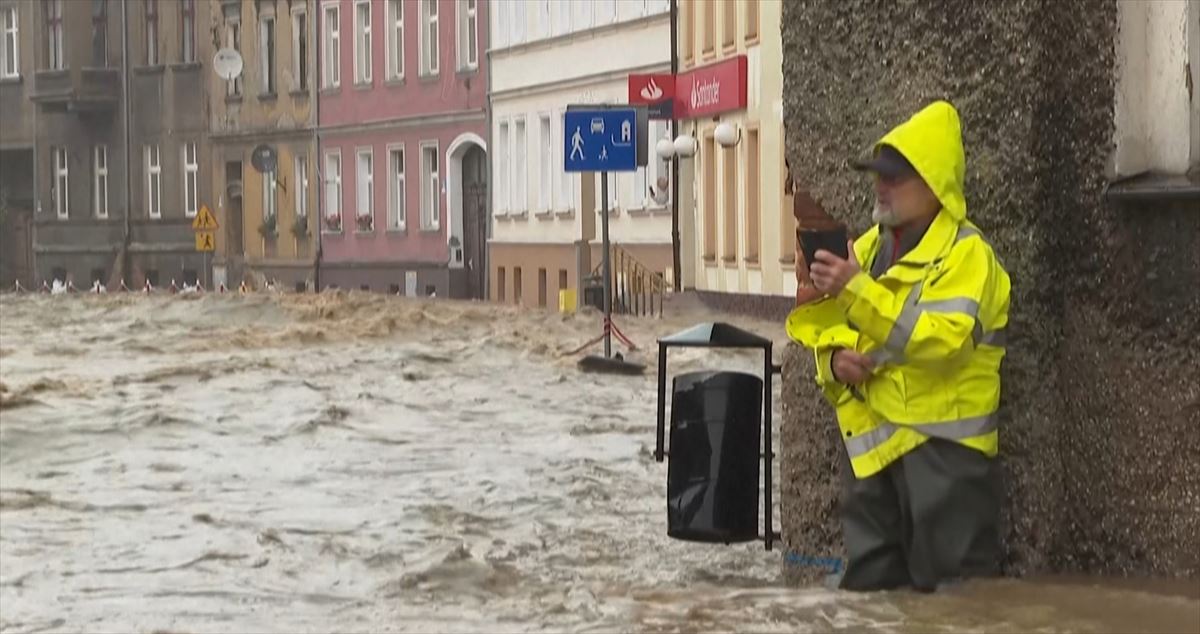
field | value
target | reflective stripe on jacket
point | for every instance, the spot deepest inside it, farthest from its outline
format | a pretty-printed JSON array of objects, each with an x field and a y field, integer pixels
[{"x": 934, "y": 321}]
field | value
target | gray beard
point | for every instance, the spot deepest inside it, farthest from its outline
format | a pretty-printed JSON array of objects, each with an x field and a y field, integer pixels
[{"x": 884, "y": 216}]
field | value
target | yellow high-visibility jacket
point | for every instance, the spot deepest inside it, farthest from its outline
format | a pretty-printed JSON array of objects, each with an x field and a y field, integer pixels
[{"x": 933, "y": 322}]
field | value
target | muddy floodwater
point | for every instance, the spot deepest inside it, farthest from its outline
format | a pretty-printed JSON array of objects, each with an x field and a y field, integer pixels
[{"x": 356, "y": 463}]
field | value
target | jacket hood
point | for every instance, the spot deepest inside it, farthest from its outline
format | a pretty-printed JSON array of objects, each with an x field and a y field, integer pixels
[{"x": 932, "y": 141}]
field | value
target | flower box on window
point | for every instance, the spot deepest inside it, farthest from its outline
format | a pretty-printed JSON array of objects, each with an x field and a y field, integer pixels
[
  {"x": 365, "y": 223},
  {"x": 333, "y": 223},
  {"x": 269, "y": 229},
  {"x": 300, "y": 227}
]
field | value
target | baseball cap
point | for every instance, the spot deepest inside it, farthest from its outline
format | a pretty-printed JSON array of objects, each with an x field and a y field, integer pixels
[{"x": 887, "y": 162}]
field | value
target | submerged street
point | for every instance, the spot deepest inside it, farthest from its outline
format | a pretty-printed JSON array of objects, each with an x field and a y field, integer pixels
[{"x": 350, "y": 462}]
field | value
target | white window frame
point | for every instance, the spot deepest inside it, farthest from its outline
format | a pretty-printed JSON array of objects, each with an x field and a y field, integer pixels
[
  {"x": 468, "y": 45},
  {"x": 331, "y": 40},
  {"x": 545, "y": 162},
  {"x": 187, "y": 31},
  {"x": 62, "y": 182},
  {"x": 233, "y": 39},
  {"x": 153, "y": 157},
  {"x": 563, "y": 12},
  {"x": 56, "y": 46},
  {"x": 605, "y": 12},
  {"x": 100, "y": 181},
  {"x": 430, "y": 54},
  {"x": 152, "y": 27},
  {"x": 333, "y": 184},
  {"x": 10, "y": 44},
  {"x": 518, "y": 22},
  {"x": 662, "y": 167},
  {"x": 300, "y": 184},
  {"x": 566, "y": 180},
  {"x": 520, "y": 164},
  {"x": 504, "y": 165},
  {"x": 545, "y": 21},
  {"x": 397, "y": 188},
  {"x": 268, "y": 55},
  {"x": 300, "y": 57},
  {"x": 581, "y": 15},
  {"x": 431, "y": 191},
  {"x": 270, "y": 197},
  {"x": 191, "y": 179},
  {"x": 364, "y": 184},
  {"x": 394, "y": 67},
  {"x": 362, "y": 41}
]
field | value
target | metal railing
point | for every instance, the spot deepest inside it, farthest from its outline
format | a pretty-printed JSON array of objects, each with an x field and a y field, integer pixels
[{"x": 636, "y": 290}]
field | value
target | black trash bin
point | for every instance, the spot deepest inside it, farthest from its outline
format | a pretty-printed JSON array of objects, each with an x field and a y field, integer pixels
[
  {"x": 593, "y": 292},
  {"x": 712, "y": 474}
]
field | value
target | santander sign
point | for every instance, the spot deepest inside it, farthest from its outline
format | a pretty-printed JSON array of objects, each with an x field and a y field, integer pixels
[{"x": 700, "y": 92}]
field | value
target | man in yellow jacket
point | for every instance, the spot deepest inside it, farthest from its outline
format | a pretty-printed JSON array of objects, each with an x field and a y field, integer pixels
[{"x": 908, "y": 340}]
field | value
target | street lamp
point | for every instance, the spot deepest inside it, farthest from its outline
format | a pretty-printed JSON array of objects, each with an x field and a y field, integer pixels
[{"x": 727, "y": 134}]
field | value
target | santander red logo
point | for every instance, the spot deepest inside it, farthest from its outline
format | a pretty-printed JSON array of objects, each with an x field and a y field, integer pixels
[{"x": 651, "y": 91}]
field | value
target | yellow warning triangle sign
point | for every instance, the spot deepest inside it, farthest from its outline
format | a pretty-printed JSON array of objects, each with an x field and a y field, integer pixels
[{"x": 205, "y": 220}]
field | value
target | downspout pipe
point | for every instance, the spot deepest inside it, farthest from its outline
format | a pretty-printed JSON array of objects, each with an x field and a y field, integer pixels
[
  {"x": 318, "y": 160},
  {"x": 675, "y": 255},
  {"x": 126, "y": 273}
]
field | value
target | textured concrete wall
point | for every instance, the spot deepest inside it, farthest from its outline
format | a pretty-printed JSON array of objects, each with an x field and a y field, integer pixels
[{"x": 1099, "y": 437}]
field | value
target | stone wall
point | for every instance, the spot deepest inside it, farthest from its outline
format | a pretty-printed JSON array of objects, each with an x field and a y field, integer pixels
[{"x": 1099, "y": 435}]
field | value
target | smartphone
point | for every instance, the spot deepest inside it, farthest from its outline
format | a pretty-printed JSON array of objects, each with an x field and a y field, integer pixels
[{"x": 832, "y": 240}]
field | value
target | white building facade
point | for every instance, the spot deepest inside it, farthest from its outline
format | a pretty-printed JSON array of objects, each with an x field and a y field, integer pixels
[{"x": 546, "y": 54}]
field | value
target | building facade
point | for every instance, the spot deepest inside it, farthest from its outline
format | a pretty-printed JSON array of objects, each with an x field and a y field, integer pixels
[
  {"x": 546, "y": 55},
  {"x": 403, "y": 97},
  {"x": 267, "y": 217},
  {"x": 738, "y": 231},
  {"x": 117, "y": 140}
]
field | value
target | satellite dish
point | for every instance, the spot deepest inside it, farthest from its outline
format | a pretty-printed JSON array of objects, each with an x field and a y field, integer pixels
[
  {"x": 228, "y": 64},
  {"x": 263, "y": 158}
]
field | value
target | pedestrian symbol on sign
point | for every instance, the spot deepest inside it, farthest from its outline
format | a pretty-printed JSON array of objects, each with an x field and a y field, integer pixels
[{"x": 577, "y": 144}]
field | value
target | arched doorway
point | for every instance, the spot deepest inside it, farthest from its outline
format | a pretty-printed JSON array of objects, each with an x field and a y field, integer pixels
[{"x": 475, "y": 226}]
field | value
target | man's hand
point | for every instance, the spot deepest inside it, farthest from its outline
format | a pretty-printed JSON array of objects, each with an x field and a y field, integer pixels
[
  {"x": 850, "y": 367},
  {"x": 830, "y": 274}
]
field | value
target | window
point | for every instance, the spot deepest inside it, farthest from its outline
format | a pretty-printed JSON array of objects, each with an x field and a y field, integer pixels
[
  {"x": 500, "y": 283},
  {"x": 266, "y": 54},
  {"x": 562, "y": 279},
  {"x": 100, "y": 33},
  {"x": 751, "y": 21},
  {"x": 687, "y": 30},
  {"x": 708, "y": 11},
  {"x": 396, "y": 190},
  {"x": 787, "y": 221},
  {"x": 54, "y": 35},
  {"x": 517, "y": 23},
  {"x": 563, "y": 10},
  {"x": 581, "y": 14},
  {"x": 709, "y": 158},
  {"x": 520, "y": 175},
  {"x": 500, "y": 9},
  {"x": 362, "y": 42},
  {"x": 545, "y": 163},
  {"x": 541, "y": 288},
  {"x": 151, "y": 32},
  {"x": 431, "y": 199},
  {"x": 300, "y": 198},
  {"x": 661, "y": 175},
  {"x": 233, "y": 39},
  {"x": 270, "y": 200},
  {"x": 331, "y": 70},
  {"x": 299, "y": 49},
  {"x": 100, "y": 181},
  {"x": 429, "y": 37},
  {"x": 517, "y": 285},
  {"x": 545, "y": 28},
  {"x": 191, "y": 168},
  {"x": 503, "y": 184},
  {"x": 60, "y": 191},
  {"x": 752, "y": 193},
  {"x": 395, "y": 39},
  {"x": 153, "y": 181},
  {"x": 187, "y": 31},
  {"x": 657, "y": 6},
  {"x": 365, "y": 184},
  {"x": 729, "y": 28},
  {"x": 10, "y": 50},
  {"x": 566, "y": 188},
  {"x": 333, "y": 184},
  {"x": 468, "y": 35},
  {"x": 729, "y": 166},
  {"x": 606, "y": 11}
]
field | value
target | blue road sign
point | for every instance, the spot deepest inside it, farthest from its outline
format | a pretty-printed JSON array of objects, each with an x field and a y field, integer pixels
[{"x": 600, "y": 140}]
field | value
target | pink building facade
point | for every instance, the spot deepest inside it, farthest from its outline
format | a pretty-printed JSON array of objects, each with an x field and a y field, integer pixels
[{"x": 403, "y": 167}]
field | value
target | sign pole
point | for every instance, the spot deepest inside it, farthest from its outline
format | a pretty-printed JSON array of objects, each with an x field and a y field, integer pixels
[{"x": 607, "y": 266}]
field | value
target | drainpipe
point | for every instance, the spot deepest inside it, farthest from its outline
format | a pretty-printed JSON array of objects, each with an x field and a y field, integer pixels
[
  {"x": 490, "y": 154},
  {"x": 675, "y": 256},
  {"x": 126, "y": 107},
  {"x": 318, "y": 160}
]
